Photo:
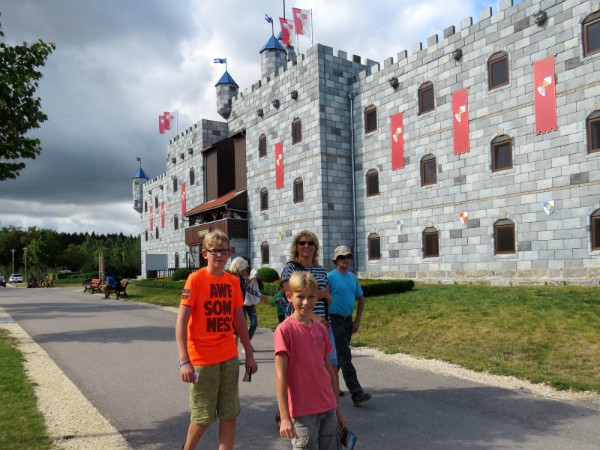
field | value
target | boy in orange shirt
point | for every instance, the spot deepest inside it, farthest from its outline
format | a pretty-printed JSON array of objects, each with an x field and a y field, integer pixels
[{"x": 210, "y": 306}]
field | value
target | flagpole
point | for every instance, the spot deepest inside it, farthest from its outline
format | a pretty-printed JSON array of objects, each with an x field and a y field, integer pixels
[
  {"x": 312, "y": 30},
  {"x": 284, "y": 9}
]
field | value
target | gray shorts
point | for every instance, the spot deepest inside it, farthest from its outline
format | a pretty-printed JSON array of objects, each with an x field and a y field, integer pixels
[
  {"x": 317, "y": 432},
  {"x": 215, "y": 394}
]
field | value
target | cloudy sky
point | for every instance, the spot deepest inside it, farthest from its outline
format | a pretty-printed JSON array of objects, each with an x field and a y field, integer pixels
[{"x": 120, "y": 63}]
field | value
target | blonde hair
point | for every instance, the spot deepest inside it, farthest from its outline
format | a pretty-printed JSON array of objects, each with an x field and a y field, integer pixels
[
  {"x": 215, "y": 238},
  {"x": 300, "y": 281},
  {"x": 294, "y": 248}
]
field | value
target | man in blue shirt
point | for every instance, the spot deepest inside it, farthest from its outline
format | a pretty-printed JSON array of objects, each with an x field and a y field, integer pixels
[{"x": 345, "y": 290}]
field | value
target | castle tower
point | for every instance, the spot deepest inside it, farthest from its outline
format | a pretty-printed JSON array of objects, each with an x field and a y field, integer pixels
[
  {"x": 291, "y": 52},
  {"x": 227, "y": 89},
  {"x": 272, "y": 58},
  {"x": 138, "y": 194}
]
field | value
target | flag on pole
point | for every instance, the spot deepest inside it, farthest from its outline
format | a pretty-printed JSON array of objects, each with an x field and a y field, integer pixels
[
  {"x": 279, "y": 165},
  {"x": 220, "y": 60},
  {"x": 167, "y": 120},
  {"x": 545, "y": 95},
  {"x": 161, "y": 124},
  {"x": 460, "y": 121},
  {"x": 287, "y": 30},
  {"x": 302, "y": 21}
]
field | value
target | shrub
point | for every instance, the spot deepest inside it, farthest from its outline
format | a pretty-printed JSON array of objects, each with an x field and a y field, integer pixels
[
  {"x": 270, "y": 289},
  {"x": 383, "y": 287},
  {"x": 160, "y": 284},
  {"x": 180, "y": 274},
  {"x": 268, "y": 275}
]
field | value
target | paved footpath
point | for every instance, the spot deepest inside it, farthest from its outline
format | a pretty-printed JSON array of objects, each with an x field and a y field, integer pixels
[{"x": 122, "y": 357}]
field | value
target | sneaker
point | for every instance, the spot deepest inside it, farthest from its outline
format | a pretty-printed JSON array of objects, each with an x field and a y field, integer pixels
[
  {"x": 342, "y": 393},
  {"x": 360, "y": 398}
]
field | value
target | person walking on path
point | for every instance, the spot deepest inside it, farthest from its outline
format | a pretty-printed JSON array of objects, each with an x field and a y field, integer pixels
[
  {"x": 345, "y": 290},
  {"x": 250, "y": 286},
  {"x": 211, "y": 303},
  {"x": 305, "y": 381}
]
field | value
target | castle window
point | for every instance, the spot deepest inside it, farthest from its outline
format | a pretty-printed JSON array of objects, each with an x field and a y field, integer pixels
[
  {"x": 146, "y": 235},
  {"x": 156, "y": 201},
  {"x": 374, "y": 247},
  {"x": 370, "y": 119},
  {"x": 146, "y": 206},
  {"x": 428, "y": 170},
  {"x": 264, "y": 253},
  {"x": 262, "y": 146},
  {"x": 296, "y": 131},
  {"x": 176, "y": 222},
  {"x": 498, "y": 70},
  {"x": 177, "y": 260},
  {"x": 501, "y": 153},
  {"x": 504, "y": 237},
  {"x": 264, "y": 199},
  {"x": 192, "y": 177},
  {"x": 426, "y": 98},
  {"x": 591, "y": 34},
  {"x": 593, "y": 132},
  {"x": 174, "y": 184},
  {"x": 298, "y": 190},
  {"x": 156, "y": 232},
  {"x": 596, "y": 230},
  {"x": 431, "y": 243},
  {"x": 372, "y": 183}
]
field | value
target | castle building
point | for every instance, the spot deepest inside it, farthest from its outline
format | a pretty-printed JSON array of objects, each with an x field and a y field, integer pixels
[{"x": 475, "y": 158}]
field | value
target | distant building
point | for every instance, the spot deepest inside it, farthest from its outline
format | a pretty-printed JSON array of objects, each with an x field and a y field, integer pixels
[{"x": 447, "y": 164}]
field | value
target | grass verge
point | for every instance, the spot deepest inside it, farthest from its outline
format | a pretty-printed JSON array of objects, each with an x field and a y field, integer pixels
[{"x": 21, "y": 424}]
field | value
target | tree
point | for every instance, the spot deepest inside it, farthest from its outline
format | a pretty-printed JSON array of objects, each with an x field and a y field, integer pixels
[{"x": 20, "y": 110}]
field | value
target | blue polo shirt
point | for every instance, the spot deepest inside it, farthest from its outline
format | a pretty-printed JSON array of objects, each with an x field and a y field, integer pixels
[{"x": 344, "y": 289}]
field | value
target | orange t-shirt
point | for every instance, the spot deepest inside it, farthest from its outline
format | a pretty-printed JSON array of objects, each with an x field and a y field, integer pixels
[{"x": 213, "y": 300}]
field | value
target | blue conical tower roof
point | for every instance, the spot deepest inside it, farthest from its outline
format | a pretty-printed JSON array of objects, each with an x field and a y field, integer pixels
[
  {"x": 226, "y": 79},
  {"x": 140, "y": 174},
  {"x": 272, "y": 44}
]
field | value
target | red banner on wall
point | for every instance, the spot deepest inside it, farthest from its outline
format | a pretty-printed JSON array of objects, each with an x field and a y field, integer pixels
[
  {"x": 544, "y": 86},
  {"x": 279, "y": 165},
  {"x": 151, "y": 219},
  {"x": 460, "y": 121},
  {"x": 397, "y": 137},
  {"x": 162, "y": 214},
  {"x": 183, "y": 200}
]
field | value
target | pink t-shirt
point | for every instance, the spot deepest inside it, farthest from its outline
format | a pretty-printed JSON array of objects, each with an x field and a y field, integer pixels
[{"x": 308, "y": 382}]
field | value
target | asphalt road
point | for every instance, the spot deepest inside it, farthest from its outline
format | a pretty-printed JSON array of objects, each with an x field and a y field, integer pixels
[{"x": 123, "y": 358}]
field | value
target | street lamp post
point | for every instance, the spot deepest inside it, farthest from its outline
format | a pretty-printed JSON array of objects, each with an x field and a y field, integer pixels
[
  {"x": 25, "y": 258},
  {"x": 13, "y": 252}
]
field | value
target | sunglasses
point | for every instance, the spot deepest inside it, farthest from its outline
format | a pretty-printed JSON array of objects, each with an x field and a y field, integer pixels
[
  {"x": 303, "y": 243},
  {"x": 344, "y": 258},
  {"x": 218, "y": 251}
]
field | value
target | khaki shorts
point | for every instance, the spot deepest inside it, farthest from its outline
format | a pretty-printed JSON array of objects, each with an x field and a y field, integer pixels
[{"x": 215, "y": 395}]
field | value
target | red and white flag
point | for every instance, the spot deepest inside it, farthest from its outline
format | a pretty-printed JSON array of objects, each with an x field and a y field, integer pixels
[
  {"x": 168, "y": 117},
  {"x": 161, "y": 124},
  {"x": 183, "y": 200},
  {"x": 287, "y": 30},
  {"x": 397, "y": 138},
  {"x": 162, "y": 214},
  {"x": 460, "y": 121},
  {"x": 302, "y": 21},
  {"x": 279, "y": 165},
  {"x": 151, "y": 219},
  {"x": 544, "y": 86}
]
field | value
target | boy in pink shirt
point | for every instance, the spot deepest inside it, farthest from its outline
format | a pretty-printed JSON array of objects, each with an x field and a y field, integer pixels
[{"x": 305, "y": 381}]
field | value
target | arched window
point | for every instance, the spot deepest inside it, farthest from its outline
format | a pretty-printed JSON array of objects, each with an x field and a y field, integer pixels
[
  {"x": 146, "y": 206},
  {"x": 264, "y": 253},
  {"x": 374, "y": 247},
  {"x": 428, "y": 170},
  {"x": 262, "y": 146},
  {"x": 156, "y": 232},
  {"x": 370, "y": 119},
  {"x": 146, "y": 235},
  {"x": 595, "y": 230},
  {"x": 264, "y": 199},
  {"x": 593, "y": 132},
  {"x": 176, "y": 222},
  {"x": 174, "y": 184},
  {"x": 498, "y": 70},
  {"x": 591, "y": 34},
  {"x": 372, "y": 181},
  {"x": 504, "y": 237},
  {"x": 192, "y": 177},
  {"x": 298, "y": 190},
  {"x": 426, "y": 98},
  {"x": 502, "y": 151},
  {"x": 177, "y": 260},
  {"x": 156, "y": 201},
  {"x": 296, "y": 131},
  {"x": 431, "y": 243}
]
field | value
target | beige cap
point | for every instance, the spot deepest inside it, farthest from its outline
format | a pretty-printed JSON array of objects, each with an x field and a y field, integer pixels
[
  {"x": 238, "y": 265},
  {"x": 342, "y": 250}
]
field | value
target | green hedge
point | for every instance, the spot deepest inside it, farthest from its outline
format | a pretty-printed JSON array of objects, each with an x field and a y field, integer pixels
[
  {"x": 384, "y": 287},
  {"x": 268, "y": 275},
  {"x": 160, "y": 284}
]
